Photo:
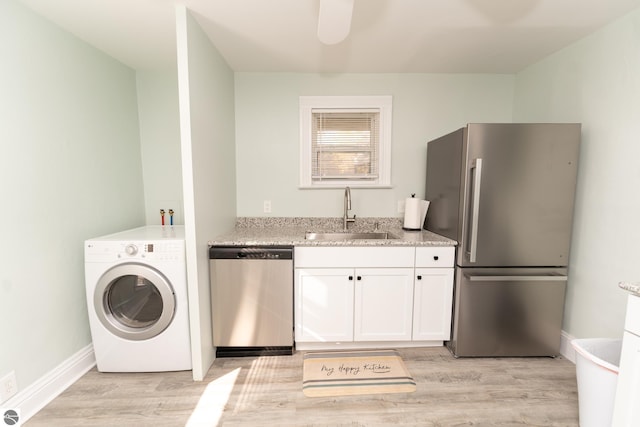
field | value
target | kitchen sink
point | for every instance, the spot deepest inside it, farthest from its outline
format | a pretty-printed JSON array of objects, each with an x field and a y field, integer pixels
[{"x": 349, "y": 236}]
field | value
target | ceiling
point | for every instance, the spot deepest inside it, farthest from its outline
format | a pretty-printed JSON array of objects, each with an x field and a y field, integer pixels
[{"x": 394, "y": 36}]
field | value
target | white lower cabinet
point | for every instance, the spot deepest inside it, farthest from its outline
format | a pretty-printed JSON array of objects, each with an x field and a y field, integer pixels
[
  {"x": 343, "y": 305},
  {"x": 433, "y": 296},
  {"x": 626, "y": 411},
  {"x": 373, "y": 295}
]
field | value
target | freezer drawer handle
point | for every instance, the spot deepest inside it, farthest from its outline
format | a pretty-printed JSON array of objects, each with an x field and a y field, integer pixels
[{"x": 558, "y": 278}]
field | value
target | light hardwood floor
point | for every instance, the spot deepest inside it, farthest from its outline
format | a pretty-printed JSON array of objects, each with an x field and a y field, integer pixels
[{"x": 266, "y": 391}]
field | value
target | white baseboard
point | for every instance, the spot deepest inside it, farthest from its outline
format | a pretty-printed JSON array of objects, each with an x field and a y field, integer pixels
[
  {"x": 566, "y": 349},
  {"x": 44, "y": 390},
  {"x": 362, "y": 345}
]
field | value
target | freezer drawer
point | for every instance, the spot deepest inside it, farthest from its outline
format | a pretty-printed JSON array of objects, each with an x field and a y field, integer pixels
[{"x": 508, "y": 312}]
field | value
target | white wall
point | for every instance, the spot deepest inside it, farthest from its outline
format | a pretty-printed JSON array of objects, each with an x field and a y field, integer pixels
[
  {"x": 160, "y": 142},
  {"x": 596, "y": 82},
  {"x": 206, "y": 96},
  {"x": 424, "y": 106},
  {"x": 70, "y": 169}
]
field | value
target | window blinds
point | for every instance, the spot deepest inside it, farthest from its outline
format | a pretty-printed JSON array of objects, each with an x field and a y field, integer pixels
[{"x": 345, "y": 144}]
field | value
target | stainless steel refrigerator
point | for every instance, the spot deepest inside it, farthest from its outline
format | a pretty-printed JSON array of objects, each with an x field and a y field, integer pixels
[{"x": 505, "y": 192}]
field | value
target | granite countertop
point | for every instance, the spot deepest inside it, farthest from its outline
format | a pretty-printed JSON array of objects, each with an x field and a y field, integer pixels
[
  {"x": 631, "y": 287},
  {"x": 291, "y": 232}
]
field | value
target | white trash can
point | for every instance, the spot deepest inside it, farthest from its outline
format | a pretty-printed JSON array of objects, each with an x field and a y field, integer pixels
[{"x": 597, "y": 366}]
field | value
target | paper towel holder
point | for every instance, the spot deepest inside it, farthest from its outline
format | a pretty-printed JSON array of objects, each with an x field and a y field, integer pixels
[{"x": 415, "y": 213}]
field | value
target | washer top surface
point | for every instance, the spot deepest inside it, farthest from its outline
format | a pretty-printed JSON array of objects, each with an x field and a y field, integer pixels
[{"x": 145, "y": 233}]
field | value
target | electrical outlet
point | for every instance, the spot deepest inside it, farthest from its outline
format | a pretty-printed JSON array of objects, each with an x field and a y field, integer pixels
[
  {"x": 8, "y": 386},
  {"x": 267, "y": 206},
  {"x": 400, "y": 207}
]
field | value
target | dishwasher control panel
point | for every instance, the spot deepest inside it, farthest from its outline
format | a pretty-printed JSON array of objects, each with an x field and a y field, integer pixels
[{"x": 251, "y": 252}]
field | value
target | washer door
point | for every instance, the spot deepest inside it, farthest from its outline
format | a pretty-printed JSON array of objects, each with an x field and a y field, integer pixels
[{"x": 134, "y": 301}]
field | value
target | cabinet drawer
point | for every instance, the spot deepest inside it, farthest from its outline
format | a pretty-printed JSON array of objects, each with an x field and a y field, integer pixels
[
  {"x": 354, "y": 257},
  {"x": 435, "y": 256}
]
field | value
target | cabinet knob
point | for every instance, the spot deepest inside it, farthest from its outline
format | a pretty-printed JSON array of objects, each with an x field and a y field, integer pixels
[
  {"x": 435, "y": 257},
  {"x": 350, "y": 277},
  {"x": 419, "y": 277},
  {"x": 359, "y": 278}
]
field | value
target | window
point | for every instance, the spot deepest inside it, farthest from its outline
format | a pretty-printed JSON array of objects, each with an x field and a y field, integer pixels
[{"x": 345, "y": 140}]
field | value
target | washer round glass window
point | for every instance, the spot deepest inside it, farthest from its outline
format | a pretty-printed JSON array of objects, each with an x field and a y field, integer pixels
[{"x": 134, "y": 301}]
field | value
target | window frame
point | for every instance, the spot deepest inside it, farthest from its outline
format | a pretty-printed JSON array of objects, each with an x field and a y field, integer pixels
[{"x": 383, "y": 104}]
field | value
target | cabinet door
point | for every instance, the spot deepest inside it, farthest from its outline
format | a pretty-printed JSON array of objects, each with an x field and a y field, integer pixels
[
  {"x": 324, "y": 304},
  {"x": 432, "y": 304},
  {"x": 626, "y": 411},
  {"x": 383, "y": 304}
]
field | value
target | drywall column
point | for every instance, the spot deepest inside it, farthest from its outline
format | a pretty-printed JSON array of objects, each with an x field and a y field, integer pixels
[{"x": 207, "y": 133}]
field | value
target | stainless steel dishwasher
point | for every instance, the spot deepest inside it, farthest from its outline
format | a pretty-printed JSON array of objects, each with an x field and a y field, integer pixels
[{"x": 252, "y": 299}]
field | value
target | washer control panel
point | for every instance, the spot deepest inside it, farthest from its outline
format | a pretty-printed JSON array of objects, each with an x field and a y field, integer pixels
[{"x": 104, "y": 251}]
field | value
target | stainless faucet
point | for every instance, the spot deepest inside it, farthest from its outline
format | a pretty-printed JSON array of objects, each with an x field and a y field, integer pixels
[{"x": 347, "y": 207}]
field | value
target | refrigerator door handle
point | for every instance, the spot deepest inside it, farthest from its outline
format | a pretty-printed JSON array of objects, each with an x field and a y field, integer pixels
[
  {"x": 548, "y": 278},
  {"x": 476, "y": 168}
]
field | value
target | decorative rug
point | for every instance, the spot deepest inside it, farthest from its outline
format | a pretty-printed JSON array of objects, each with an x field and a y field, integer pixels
[{"x": 348, "y": 373}]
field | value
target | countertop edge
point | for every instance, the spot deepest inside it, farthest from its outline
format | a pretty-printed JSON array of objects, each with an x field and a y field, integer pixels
[
  {"x": 631, "y": 287},
  {"x": 287, "y": 236}
]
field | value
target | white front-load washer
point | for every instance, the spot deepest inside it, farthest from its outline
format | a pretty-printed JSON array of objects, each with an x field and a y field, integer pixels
[{"x": 137, "y": 300}]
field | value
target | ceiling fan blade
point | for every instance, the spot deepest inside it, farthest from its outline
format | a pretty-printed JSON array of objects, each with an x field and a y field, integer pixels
[{"x": 334, "y": 20}]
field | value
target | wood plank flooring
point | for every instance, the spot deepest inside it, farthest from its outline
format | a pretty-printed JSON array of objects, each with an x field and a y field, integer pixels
[{"x": 266, "y": 391}]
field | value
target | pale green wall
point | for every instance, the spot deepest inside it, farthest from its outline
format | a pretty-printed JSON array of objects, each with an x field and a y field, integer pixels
[
  {"x": 424, "y": 106},
  {"x": 596, "y": 82},
  {"x": 72, "y": 166},
  {"x": 70, "y": 169},
  {"x": 160, "y": 142}
]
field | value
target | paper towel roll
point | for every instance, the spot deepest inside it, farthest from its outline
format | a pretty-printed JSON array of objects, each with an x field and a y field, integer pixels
[{"x": 415, "y": 211}]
